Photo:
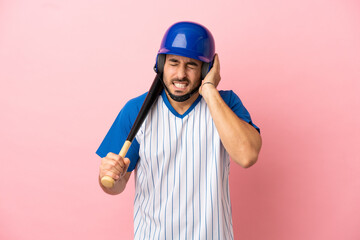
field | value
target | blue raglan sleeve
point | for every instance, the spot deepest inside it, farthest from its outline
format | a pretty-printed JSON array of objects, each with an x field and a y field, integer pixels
[
  {"x": 234, "y": 102},
  {"x": 118, "y": 133}
]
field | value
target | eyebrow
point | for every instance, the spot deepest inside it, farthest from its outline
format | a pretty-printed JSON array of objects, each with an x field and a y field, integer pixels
[{"x": 188, "y": 63}]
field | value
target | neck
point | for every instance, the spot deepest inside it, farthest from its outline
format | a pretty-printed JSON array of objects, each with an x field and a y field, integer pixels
[{"x": 182, "y": 107}]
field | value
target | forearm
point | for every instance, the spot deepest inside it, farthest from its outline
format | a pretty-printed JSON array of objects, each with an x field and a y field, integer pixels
[
  {"x": 240, "y": 139},
  {"x": 118, "y": 187}
]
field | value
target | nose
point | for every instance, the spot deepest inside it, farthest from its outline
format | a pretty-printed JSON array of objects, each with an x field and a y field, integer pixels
[{"x": 181, "y": 72}]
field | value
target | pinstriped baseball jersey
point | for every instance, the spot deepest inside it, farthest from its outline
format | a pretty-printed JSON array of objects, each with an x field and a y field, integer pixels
[{"x": 181, "y": 170}]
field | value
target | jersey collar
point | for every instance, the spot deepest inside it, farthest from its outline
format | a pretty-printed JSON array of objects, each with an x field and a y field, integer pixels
[{"x": 170, "y": 107}]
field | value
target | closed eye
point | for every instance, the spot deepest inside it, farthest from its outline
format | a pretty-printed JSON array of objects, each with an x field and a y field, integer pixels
[
  {"x": 192, "y": 64},
  {"x": 173, "y": 61}
]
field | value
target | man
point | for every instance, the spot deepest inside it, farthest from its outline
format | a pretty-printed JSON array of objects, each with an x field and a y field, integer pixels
[{"x": 181, "y": 151}]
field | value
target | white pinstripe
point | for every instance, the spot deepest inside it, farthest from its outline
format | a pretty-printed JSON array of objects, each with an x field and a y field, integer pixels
[{"x": 182, "y": 190}]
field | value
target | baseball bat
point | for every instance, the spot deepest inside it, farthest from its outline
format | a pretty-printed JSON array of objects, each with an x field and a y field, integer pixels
[{"x": 154, "y": 92}]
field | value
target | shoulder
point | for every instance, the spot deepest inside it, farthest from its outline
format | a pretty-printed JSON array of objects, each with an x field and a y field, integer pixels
[
  {"x": 236, "y": 105},
  {"x": 229, "y": 97},
  {"x": 135, "y": 103},
  {"x": 129, "y": 112}
]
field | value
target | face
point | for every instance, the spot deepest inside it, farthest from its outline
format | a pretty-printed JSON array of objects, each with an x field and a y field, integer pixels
[{"x": 181, "y": 74}]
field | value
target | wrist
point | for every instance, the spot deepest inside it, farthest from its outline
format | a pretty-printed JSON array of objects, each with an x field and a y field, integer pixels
[
  {"x": 205, "y": 86},
  {"x": 208, "y": 89},
  {"x": 210, "y": 83}
]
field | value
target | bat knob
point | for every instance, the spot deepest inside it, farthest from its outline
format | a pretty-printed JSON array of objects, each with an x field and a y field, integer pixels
[{"x": 107, "y": 182}]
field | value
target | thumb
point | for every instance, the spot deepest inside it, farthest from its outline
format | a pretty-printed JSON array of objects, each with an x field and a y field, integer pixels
[{"x": 127, "y": 162}]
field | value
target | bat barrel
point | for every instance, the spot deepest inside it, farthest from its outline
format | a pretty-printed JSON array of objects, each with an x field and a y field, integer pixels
[{"x": 154, "y": 92}]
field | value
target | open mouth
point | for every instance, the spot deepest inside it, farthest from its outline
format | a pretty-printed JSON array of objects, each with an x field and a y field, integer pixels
[{"x": 180, "y": 85}]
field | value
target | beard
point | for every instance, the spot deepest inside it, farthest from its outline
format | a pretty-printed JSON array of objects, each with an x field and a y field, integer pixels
[{"x": 178, "y": 95}]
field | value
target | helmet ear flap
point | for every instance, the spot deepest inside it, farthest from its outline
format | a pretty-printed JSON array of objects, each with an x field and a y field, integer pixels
[
  {"x": 204, "y": 69},
  {"x": 160, "y": 62}
]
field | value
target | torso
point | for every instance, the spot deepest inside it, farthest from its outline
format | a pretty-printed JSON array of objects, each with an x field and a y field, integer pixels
[{"x": 181, "y": 177}]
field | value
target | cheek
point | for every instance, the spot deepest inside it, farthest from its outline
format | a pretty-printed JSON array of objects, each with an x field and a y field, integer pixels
[
  {"x": 167, "y": 72},
  {"x": 197, "y": 82},
  {"x": 166, "y": 78},
  {"x": 195, "y": 76}
]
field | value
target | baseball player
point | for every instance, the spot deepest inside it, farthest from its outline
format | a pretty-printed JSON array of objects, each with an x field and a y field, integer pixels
[{"x": 181, "y": 154}]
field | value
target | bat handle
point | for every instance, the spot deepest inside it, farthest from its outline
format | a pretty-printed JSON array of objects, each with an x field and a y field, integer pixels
[{"x": 107, "y": 181}]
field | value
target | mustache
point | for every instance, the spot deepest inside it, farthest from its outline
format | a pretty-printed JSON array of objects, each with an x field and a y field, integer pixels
[{"x": 185, "y": 79}]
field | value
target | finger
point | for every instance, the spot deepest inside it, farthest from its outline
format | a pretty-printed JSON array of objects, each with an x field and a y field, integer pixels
[
  {"x": 113, "y": 156},
  {"x": 114, "y": 167},
  {"x": 108, "y": 169},
  {"x": 121, "y": 163},
  {"x": 127, "y": 163},
  {"x": 110, "y": 163},
  {"x": 111, "y": 174},
  {"x": 118, "y": 160},
  {"x": 125, "y": 167},
  {"x": 216, "y": 62}
]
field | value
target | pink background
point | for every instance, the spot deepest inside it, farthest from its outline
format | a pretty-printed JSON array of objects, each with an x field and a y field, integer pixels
[{"x": 67, "y": 67}]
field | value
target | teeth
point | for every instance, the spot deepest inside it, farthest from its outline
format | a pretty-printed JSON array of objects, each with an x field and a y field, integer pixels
[{"x": 180, "y": 85}]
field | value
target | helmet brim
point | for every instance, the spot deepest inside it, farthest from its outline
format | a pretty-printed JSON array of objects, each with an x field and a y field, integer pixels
[{"x": 184, "y": 53}]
